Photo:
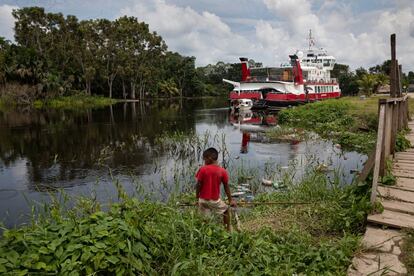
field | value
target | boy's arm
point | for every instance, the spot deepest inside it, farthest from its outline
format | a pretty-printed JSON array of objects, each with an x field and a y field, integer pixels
[
  {"x": 198, "y": 186},
  {"x": 232, "y": 202},
  {"x": 225, "y": 181}
]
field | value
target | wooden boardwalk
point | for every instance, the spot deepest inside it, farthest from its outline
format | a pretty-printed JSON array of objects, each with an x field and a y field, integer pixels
[{"x": 398, "y": 200}]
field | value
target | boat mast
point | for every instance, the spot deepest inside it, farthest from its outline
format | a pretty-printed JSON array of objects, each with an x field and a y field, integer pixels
[{"x": 311, "y": 40}]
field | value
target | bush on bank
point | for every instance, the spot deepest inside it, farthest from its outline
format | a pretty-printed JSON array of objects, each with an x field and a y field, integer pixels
[
  {"x": 135, "y": 237},
  {"x": 344, "y": 121}
]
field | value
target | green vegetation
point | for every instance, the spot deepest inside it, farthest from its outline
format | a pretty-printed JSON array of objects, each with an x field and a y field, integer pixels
[
  {"x": 75, "y": 102},
  {"x": 402, "y": 143},
  {"x": 135, "y": 237},
  {"x": 348, "y": 121},
  {"x": 408, "y": 251},
  {"x": 55, "y": 56}
]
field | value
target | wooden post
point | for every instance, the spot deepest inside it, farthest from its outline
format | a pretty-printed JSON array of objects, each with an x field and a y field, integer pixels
[
  {"x": 399, "y": 84},
  {"x": 387, "y": 129},
  {"x": 397, "y": 79},
  {"x": 400, "y": 115},
  {"x": 394, "y": 126},
  {"x": 406, "y": 113},
  {"x": 385, "y": 151},
  {"x": 393, "y": 88},
  {"x": 378, "y": 150}
]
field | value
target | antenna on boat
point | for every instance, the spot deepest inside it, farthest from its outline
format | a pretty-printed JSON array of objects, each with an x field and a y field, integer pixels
[{"x": 311, "y": 40}]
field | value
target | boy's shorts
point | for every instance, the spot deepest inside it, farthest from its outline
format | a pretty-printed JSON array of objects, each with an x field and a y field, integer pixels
[{"x": 212, "y": 206}]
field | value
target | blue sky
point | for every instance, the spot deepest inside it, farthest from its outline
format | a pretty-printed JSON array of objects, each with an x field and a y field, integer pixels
[{"x": 355, "y": 32}]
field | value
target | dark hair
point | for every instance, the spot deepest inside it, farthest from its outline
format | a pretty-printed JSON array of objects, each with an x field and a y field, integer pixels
[{"x": 211, "y": 153}]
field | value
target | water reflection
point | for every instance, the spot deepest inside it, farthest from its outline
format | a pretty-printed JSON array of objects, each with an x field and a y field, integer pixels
[{"x": 82, "y": 151}]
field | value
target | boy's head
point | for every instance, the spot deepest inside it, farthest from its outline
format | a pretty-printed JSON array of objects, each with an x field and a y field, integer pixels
[{"x": 210, "y": 155}]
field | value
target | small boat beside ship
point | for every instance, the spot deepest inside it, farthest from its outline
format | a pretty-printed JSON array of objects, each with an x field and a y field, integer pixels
[{"x": 306, "y": 78}]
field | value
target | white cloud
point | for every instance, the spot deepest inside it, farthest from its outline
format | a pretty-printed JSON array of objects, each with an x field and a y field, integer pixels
[
  {"x": 7, "y": 21},
  {"x": 356, "y": 39},
  {"x": 201, "y": 34}
]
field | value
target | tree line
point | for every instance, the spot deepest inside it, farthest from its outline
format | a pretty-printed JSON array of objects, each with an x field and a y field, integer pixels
[
  {"x": 55, "y": 55},
  {"x": 367, "y": 82},
  {"x": 58, "y": 55}
]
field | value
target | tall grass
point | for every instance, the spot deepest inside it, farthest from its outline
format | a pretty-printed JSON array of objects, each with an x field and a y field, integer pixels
[
  {"x": 344, "y": 121},
  {"x": 135, "y": 237}
]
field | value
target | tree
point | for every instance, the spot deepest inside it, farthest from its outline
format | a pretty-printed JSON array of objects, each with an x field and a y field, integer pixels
[{"x": 367, "y": 83}]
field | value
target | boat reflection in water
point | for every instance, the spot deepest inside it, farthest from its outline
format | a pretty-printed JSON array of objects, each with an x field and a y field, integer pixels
[{"x": 252, "y": 125}]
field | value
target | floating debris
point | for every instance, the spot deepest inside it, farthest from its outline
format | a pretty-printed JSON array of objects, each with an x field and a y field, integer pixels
[{"x": 237, "y": 194}]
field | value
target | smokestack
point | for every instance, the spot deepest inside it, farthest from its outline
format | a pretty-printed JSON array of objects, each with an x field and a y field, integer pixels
[{"x": 245, "y": 68}]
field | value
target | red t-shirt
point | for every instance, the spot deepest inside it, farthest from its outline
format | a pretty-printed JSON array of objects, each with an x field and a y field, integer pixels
[{"x": 210, "y": 178}]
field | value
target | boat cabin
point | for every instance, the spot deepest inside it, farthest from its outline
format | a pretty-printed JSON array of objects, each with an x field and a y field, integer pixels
[{"x": 269, "y": 74}]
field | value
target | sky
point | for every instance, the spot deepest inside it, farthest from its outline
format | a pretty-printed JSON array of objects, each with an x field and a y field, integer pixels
[{"x": 355, "y": 32}]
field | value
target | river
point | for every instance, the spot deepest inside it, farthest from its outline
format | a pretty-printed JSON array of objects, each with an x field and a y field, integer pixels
[{"x": 64, "y": 153}]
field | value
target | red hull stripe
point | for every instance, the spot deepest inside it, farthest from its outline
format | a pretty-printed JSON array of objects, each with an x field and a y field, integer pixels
[
  {"x": 245, "y": 95},
  {"x": 301, "y": 97}
]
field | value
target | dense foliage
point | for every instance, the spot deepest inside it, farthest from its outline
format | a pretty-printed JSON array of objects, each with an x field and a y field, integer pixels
[
  {"x": 135, "y": 237},
  {"x": 56, "y": 55}
]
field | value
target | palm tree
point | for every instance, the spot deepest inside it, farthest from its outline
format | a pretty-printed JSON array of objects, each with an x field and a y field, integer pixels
[
  {"x": 381, "y": 80},
  {"x": 366, "y": 84}
]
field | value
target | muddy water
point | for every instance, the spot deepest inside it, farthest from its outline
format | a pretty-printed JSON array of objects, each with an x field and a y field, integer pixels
[{"x": 86, "y": 152}]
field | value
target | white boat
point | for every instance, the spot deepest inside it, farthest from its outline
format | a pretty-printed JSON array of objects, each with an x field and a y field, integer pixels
[{"x": 242, "y": 104}]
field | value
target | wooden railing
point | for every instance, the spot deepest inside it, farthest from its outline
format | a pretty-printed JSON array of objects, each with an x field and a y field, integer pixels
[{"x": 392, "y": 117}]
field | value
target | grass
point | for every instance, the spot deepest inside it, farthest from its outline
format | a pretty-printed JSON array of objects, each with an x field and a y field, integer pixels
[
  {"x": 149, "y": 238},
  {"x": 343, "y": 121},
  {"x": 74, "y": 102},
  {"x": 408, "y": 252},
  {"x": 348, "y": 121}
]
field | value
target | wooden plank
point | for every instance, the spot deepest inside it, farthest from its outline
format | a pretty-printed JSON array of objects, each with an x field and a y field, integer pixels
[
  {"x": 398, "y": 206},
  {"x": 396, "y": 194},
  {"x": 403, "y": 174},
  {"x": 378, "y": 149},
  {"x": 403, "y": 166},
  {"x": 403, "y": 161},
  {"x": 406, "y": 167},
  {"x": 405, "y": 182},
  {"x": 393, "y": 219}
]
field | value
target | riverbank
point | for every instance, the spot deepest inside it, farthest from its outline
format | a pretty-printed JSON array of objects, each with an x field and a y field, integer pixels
[
  {"x": 154, "y": 238},
  {"x": 350, "y": 122},
  {"x": 75, "y": 102}
]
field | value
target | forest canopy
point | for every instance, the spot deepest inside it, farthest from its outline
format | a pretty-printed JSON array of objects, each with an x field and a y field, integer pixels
[{"x": 57, "y": 55}]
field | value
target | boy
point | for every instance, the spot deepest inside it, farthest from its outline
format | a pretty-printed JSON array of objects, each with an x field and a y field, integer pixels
[{"x": 209, "y": 177}]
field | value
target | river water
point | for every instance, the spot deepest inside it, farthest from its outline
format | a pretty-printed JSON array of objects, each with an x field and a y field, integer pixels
[{"x": 46, "y": 153}]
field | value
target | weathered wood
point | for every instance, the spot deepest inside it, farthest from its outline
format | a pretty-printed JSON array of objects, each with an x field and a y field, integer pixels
[
  {"x": 369, "y": 164},
  {"x": 403, "y": 166},
  {"x": 386, "y": 144},
  {"x": 393, "y": 219},
  {"x": 406, "y": 183},
  {"x": 394, "y": 126},
  {"x": 405, "y": 174},
  {"x": 380, "y": 136},
  {"x": 396, "y": 194},
  {"x": 398, "y": 206},
  {"x": 399, "y": 86},
  {"x": 393, "y": 88}
]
